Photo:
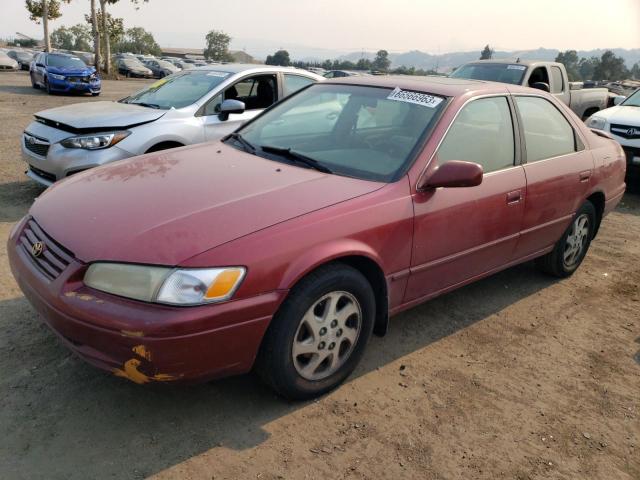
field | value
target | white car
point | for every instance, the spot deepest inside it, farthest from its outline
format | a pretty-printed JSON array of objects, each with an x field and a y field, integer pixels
[
  {"x": 193, "y": 106},
  {"x": 623, "y": 123}
]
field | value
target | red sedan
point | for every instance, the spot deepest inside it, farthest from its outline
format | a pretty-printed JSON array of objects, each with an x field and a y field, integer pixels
[{"x": 283, "y": 247}]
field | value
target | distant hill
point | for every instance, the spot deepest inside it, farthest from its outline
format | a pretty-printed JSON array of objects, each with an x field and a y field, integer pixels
[{"x": 448, "y": 61}]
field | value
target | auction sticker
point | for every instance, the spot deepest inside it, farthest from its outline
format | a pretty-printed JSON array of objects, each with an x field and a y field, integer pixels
[
  {"x": 516, "y": 67},
  {"x": 217, "y": 74},
  {"x": 418, "y": 98}
]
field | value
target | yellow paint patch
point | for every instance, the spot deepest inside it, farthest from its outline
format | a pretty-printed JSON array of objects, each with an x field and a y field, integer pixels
[
  {"x": 86, "y": 298},
  {"x": 142, "y": 351},
  {"x": 132, "y": 333},
  {"x": 70, "y": 294},
  {"x": 130, "y": 371}
]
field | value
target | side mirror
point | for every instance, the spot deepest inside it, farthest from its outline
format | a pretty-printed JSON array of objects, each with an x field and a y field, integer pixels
[
  {"x": 541, "y": 86},
  {"x": 617, "y": 100},
  {"x": 230, "y": 106},
  {"x": 39, "y": 65},
  {"x": 454, "y": 173}
]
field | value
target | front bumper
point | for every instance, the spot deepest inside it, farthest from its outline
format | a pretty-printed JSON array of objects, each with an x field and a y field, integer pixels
[
  {"x": 59, "y": 162},
  {"x": 143, "y": 342},
  {"x": 66, "y": 86}
]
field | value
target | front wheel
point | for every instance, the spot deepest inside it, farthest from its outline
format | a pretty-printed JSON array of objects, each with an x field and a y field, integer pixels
[
  {"x": 570, "y": 250},
  {"x": 47, "y": 87},
  {"x": 319, "y": 334},
  {"x": 33, "y": 82}
]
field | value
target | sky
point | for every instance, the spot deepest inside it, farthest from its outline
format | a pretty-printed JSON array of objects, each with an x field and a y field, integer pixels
[{"x": 323, "y": 26}]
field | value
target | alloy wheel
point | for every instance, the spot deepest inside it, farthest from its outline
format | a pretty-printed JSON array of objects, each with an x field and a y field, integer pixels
[
  {"x": 327, "y": 335},
  {"x": 576, "y": 240}
]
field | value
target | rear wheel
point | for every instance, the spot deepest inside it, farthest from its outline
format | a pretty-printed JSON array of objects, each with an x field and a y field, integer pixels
[
  {"x": 570, "y": 250},
  {"x": 319, "y": 334}
]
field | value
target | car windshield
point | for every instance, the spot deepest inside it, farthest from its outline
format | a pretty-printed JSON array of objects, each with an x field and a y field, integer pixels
[
  {"x": 363, "y": 132},
  {"x": 493, "y": 72},
  {"x": 165, "y": 64},
  {"x": 633, "y": 100},
  {"x": 178, "y": 91},
  {"x": 62, "y": 61},
  {"x": 132, "y": 62}
]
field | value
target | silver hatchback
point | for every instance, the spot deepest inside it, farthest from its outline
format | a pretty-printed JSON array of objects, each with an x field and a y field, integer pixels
[{"x": 194, "y": 106}]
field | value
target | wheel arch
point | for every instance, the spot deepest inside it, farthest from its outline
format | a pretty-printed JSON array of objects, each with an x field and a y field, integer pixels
[
  {"x": 597, "y": 198},
  {"x": 360, "y": 258},
  {"x": 164, "y": 145}
]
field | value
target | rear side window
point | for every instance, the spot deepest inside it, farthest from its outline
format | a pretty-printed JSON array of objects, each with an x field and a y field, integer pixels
[
  {"x": 481, "y": 133},
  {"x": 547, "y": 133},
  {"x": 557, "y": 81},
  {"x": 293, "y": 83}
]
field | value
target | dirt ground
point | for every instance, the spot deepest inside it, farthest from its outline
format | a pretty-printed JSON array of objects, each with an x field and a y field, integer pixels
[{"x": 519, "y": 376}]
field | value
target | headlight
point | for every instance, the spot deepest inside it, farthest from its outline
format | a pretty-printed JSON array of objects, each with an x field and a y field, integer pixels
[
  {"x": 193, "y": 286},
  {"x": 596, "y": 122},
  {"x": 95, "y": 142},
  {"x": 55, "y": 76}
]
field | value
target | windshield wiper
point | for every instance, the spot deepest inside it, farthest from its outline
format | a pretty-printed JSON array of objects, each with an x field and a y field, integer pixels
[
  {"x": 145, "y": 104},
  {"x": 248, "y": 146},
  {"x": 297, "y": 157}
]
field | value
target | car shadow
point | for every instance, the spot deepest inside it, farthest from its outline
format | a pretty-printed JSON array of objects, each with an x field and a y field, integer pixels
[
  {"x": 60, "y": 414},
  {"x": 21, "y": 90},
  {"x": 16, "y": 198}
]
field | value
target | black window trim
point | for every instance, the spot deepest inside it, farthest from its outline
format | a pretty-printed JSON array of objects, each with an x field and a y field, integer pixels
[{"x": 578, "y": 141}]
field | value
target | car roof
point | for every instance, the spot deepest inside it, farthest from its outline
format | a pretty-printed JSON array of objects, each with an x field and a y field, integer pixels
[
  {"x": 510, "y": 61},
  {"x": 446, "y": 86},
  {"x": 246, "y": 67}
]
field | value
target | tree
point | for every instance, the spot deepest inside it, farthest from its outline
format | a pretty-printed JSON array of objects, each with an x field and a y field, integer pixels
[
  {"x": 217, "y": 47},
  {"x": 114, "y": 32},
  {"x": 381, "y": 62},
  {"x": 635, "y": 71},
  {"x": 137, "y": 40},
  {"x": 281, "y": 57},
  {"x": 610, "y": 67},
  {"x": 77, "y": 37},
  {"x": 93, "y": 21},
  {"x": 587, "y": 67},
  {"x": 487, "y": 53},
  {"x": 363, "y": 64},
  {"x": 43, "y": 11},
  {"x": 571, "y": 62}
]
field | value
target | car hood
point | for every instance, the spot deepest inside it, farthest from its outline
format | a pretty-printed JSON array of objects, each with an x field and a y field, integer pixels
[
  {"x": 622, "y": 115},
  {"x": 166, "y": 207},
  {"x": 92, "y": 116},
  {"x": 71, "y": 71}
]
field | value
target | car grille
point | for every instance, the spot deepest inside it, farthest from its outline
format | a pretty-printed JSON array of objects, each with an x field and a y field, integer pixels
[
  {"x": 41, "y": 173},
  {"x": 79, "y": 79},
  {"x": 39, "y": 146},
  {"x": 625, "y": 131},
  {"x": 52, "y": 258}
]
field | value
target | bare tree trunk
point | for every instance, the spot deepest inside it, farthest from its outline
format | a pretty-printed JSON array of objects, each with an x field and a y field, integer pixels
[
  {"x": 105, "y": 37},
  {"x": 45, "y": 24},
  {"x": 96, "y": 34}
]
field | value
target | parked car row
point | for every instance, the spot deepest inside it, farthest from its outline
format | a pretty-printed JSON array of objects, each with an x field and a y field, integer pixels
[{"x": 317, "y": 208}]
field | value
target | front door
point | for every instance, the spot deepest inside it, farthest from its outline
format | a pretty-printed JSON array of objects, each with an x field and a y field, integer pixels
[
  {"x": 461, "y": 233},
  {"x": 257, "y": 92}
]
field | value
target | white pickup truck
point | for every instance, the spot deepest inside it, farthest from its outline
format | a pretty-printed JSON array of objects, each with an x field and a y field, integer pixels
[{"x": 548, "y": 76}]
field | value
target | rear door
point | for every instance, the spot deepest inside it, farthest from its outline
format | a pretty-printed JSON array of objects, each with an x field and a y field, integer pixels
[
  {"x": 257, "y": 92},
  {"x": 461, "y": 233},
  {"x": 558, "y": 170}
]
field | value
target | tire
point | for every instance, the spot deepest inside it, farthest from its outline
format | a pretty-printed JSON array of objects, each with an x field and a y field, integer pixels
[
  {"x": 128, "y": 74},
  {"x": 46, "y": 86},
  {"x": 302, "y": 343},
  {"x": 34, "y": 84},
  {"x": 95, "y": 94},
  {"x": 570, "y": 250}
]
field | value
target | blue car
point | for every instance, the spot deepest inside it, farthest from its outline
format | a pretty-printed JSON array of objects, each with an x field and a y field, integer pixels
[{"x": 64, "y": 73}]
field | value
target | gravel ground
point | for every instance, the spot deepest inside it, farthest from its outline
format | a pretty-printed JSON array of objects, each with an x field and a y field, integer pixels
[{"x": 518, "y": 376}]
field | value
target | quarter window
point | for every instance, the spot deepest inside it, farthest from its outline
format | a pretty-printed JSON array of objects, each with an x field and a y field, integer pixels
[
  {"x": 481, "y": 133},
  {"x": 293, "y": 83},
  {"x": 547, "y": 133}
]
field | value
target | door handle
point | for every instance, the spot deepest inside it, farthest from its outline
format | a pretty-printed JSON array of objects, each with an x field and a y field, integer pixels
[
  {"x": 585, "y": 175},
  {"x": 514, "y": 197}
]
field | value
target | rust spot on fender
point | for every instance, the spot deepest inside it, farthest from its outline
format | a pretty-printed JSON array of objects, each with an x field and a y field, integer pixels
[
  {"x": 142, "y": 351},
  {"x": 132, "y": 333},
  {"x": 131, "y": 372}
]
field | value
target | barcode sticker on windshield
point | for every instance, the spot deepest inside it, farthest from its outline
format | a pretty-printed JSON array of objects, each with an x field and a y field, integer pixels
[
  {"x": 516, "y": 67},
  {"x": 217, "y": 74},
  {"x": 423, "y": 99}
]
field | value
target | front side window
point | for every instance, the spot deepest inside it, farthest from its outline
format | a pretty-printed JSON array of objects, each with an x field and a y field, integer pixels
[
  {"x": 256, "y": 92},
  {"x": 481, "y": 133},
  {"x": 178, "y": 91},
  {"x": 493, "y": 72},
  {"x": 547, "y": 133},
  {"x": 364, "y": 132},
  {"x": 293, "y": 83}
]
